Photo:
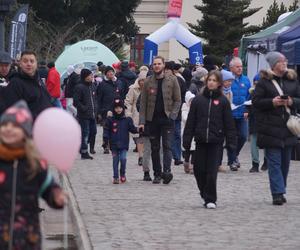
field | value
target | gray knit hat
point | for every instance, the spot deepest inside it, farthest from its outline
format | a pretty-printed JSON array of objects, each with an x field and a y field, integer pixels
[
  {"x": 273, "y": 57},
  {"x": 5, "y": 58},
  {"x": 20, "y": 115}
]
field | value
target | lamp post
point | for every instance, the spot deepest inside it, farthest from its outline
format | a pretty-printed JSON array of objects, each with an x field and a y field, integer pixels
[{"x": 4, "y": 10}]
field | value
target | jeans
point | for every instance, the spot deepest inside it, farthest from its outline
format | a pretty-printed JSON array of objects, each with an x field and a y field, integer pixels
[
  {"x": 176, "y": 145},
  {"x": 119, "y": 156},
  {"x": 88, "y": 129},
  {"x": 146, "y": 154},
  {"x": 278, "y": 160},
  {"x": 207, "y": 157},
  {"x": 254, "y": 148},
  {"x": 241, "y": 126},
  {"x": 161, "y": 129}
]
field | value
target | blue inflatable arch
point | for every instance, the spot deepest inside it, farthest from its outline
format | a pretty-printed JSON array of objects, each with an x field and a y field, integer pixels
[{"x": 173, "y": 29}]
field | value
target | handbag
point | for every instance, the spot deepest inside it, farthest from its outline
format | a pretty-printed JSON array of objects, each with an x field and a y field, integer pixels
[{"x": 293, "y": 123}]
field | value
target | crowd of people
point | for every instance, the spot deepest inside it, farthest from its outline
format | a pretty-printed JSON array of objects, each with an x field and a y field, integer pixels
[{"x": 171, "y": 111}]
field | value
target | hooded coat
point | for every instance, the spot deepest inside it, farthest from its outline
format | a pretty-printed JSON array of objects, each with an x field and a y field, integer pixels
[{"x": 272, "y": 131}]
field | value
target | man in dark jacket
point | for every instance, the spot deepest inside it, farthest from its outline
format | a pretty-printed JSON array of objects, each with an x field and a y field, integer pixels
[
  {"x": 160, "y": 104},
  {"x": 27, "y": 85},
  {"x": 127, "y": 78},
  {"x": 108, "y": 90},
  {"x": 271, "y": 118},
  {"x": 43, "y": 71},
  {"x": 5, "y": 75},
  {"x": 86, "y": 104}
]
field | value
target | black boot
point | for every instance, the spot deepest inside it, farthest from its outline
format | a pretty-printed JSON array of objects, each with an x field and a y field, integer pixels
[
  {"x": 167, "y": 177},
  {"x": 147, "y": 177},
  {"x": 86, "y": 156},
  {"x": 254, "y": 168},
  {"x": 264, "y": 166},
  {"x": 92, "y": 145},
  {"x": 278, "y": 199}
]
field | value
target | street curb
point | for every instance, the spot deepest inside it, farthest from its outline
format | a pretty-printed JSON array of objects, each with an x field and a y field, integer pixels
[{"x": 82, "y": 237}]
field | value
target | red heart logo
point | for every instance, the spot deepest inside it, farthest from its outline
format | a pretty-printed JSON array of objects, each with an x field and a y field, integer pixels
[{"x": 2, "y": 177}]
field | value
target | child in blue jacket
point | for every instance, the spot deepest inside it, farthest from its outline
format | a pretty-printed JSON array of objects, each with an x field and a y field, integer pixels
[{"x": 116, "y": 132}]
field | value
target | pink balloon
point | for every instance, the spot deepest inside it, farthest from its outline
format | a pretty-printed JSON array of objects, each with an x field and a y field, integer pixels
[{"x": 57, "y": 136}]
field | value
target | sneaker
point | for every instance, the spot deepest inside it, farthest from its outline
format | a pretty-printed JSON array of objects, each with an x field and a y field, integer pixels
[
  {"x": 277, "y": 200},
  {"x": 211, "y": 205},
  {"x": 178, "y": 162},
  {"x": 140, "y": 161},
  {"x": 186, "y": 166},
  {"x": 254, "y": 168},
  {"x": 237, "y": 162},
  {"x": 233, "y": 167},
  {"x": 116, "y": 181},
  {"x": 123, "y": 179},
  {"x": 222, "y": 169},
  {"x": 86, "y": 156},
  {"x": 147, "y": 177},
  {"x": 167, "y": 177},
  {"x": 156, "y": 180},
  {"x": 106, "y": 151}
]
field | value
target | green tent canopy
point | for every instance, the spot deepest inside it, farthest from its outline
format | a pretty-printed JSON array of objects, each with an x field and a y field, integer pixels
[
  {"x": 87, "y": 52},
  {"x": 267, "y": 38}
]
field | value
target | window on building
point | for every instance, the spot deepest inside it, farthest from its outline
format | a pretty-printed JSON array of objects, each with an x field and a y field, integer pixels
[{"x": 137, "y": 48}]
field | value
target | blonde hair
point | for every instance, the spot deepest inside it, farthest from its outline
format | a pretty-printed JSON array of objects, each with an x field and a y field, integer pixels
[{"x": 33, "y": 157}]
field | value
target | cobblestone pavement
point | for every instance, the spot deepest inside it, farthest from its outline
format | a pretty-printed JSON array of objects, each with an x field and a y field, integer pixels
[{"x": 139, "y": 215}]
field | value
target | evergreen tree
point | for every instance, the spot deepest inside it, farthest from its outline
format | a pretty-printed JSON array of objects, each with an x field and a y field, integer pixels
[
  {"x": 294, "y": 6},
  {"x": 273, "y": 13},
  {"x": 222, "y": 25}
]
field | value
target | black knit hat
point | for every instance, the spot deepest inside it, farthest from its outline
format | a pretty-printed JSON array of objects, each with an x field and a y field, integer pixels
[
  {"x": 119, "y": 103},
  {"x": 169, "y": 65},
  {"x": 19, "y": 114},
  {"x": 108, "y": 68},
  {"x": 85, "y": 73}
]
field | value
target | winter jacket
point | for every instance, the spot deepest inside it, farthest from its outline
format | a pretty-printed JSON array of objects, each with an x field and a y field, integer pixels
[
  {"x": 127, "y": 78},
  {"x": 240, "y": 91},
  {"x": 130, "y": 102},
  {"x": 271, "y": 121},
  {"x": 53, "y": 83},
  {"x": 71, "y": 83},
  {"x": 43, "y": 72},
  {"x": 171, "y": 96},
  {"x": 210, "y": 120},
  {"x": 185, "y": 112},
  {"x": 85, "y": 100},
  {"x": 30, "y": 89},
  {"x": 4, "y": 81},
  {"x": 27, "y": 233},
  {"x": 182, "y": 86},
  {"x": 116, "y": 131},
  {"x": 107, "y": 91},
  {"x": 251, "y": 115}
]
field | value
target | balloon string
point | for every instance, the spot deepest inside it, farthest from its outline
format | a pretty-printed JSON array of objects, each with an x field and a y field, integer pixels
[{"x": 65, "y": 222}]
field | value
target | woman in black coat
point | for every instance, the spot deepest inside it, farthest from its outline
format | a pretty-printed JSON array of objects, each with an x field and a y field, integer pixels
[
  {"x": 271, "y": 120},
  {"x": 209, "y": 122}
]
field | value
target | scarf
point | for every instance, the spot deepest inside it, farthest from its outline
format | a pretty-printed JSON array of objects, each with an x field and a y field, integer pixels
[
  {"x": 11, "y": 154},
  {"x": 227, "y": 90}
]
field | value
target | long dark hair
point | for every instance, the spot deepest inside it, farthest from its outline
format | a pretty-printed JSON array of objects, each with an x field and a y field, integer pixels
[{"x": 218, "y": 76}]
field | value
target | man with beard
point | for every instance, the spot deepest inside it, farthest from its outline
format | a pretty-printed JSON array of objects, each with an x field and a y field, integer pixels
[{"x": 160, "y": 104}]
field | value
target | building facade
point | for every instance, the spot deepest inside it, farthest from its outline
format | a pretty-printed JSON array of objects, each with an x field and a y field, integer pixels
[{"x": 152, "y": 14}]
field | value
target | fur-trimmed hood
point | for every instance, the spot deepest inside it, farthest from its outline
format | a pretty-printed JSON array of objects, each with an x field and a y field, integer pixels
[{"x": 269, "y": 74}]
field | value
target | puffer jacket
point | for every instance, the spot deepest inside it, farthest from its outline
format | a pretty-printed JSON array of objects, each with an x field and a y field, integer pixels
[
  {"x": 171, "y": 96},
  {"x": 116, "y": 131},
  {"x": 272, "y": 131},
  {"x": 107, "y": 91},
  {"x": 85, "y": 100},
  {"x": 210, "y": 120},
  {"x": 127, "y": 78},
  {"x": 240, "y": 92}
]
